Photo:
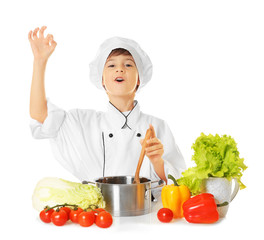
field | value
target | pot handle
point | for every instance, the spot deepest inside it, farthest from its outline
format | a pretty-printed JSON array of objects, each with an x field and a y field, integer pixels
[
  {"x": 155, "y": 181},
  {"x": 236, "y": 188},
  {"x": 161, "y": 183},
  {"x": 87, "y": 182}
]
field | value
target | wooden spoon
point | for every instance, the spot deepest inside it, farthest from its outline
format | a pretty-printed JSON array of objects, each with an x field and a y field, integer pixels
[{"x": 142, "y": 155}]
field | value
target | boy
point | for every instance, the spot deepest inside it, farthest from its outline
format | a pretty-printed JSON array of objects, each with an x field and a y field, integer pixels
[{"x": 94, "y": 144}]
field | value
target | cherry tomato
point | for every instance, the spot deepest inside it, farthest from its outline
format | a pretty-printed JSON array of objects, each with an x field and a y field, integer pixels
[
  {"x": 165, "y": 215},
  {"x": 104, "y": 219},
  {"x": 74, "y": 214},
  {"x": 86, "y": 219},
  {"x": 45, "y": 216},
  {"x": 97, "y": 211},
  {"x": 67, "y": 210},
  {"x": 59, "y": 218}
]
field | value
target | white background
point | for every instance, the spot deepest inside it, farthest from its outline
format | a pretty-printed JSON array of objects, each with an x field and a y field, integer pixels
[{"x": 208, "y": 68}]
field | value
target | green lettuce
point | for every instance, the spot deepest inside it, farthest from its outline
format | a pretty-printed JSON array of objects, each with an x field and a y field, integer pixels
[
  {"x": 52, "y": 191},
  {"x": 214, "y": 156}
]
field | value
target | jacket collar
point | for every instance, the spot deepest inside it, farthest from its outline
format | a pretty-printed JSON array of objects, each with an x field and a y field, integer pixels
[{"x": 117, "y": 120}]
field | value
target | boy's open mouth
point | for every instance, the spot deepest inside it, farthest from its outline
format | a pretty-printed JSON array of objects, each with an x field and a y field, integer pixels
[{"x": 119, "y": 79}]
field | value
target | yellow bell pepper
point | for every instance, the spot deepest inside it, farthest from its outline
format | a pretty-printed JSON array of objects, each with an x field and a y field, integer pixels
[{"x": 173, "y": 196}]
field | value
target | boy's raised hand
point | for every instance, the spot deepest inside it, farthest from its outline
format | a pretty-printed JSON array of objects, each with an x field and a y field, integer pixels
[{"x": 42, "y": 47}]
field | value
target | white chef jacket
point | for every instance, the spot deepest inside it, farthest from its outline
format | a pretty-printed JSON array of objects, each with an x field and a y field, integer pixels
[{"x": 93, "y": 144}]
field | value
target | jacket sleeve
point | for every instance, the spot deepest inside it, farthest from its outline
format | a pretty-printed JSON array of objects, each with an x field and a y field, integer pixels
[
  {"x": 174, "y": 163},
  {"x": 74, "y": 137},
  {"x": 51, "y": 125}
]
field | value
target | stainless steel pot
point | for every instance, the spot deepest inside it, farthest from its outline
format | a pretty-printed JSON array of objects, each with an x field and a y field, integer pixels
[{"x": 123, "y": 198}]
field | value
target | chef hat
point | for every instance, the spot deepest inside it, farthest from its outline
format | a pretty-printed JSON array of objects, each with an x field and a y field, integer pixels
[{"x": 142, "y": 60}]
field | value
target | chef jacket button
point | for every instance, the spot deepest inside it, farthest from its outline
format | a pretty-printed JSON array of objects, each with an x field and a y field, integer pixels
[
  {"x": 139, "y": 135},
  {"x": 111, "y": 135}
]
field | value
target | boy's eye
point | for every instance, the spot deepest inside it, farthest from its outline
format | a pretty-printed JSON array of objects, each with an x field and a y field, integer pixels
[
  {"x": 112, "y": 65},
  {"x": 128, "y": 65}
]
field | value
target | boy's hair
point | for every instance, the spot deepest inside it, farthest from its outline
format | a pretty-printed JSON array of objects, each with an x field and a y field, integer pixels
[{"x": 119, "y": 51}]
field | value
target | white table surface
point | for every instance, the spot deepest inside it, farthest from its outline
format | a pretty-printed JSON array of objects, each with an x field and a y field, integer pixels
[{"x": 236, "y": 224}]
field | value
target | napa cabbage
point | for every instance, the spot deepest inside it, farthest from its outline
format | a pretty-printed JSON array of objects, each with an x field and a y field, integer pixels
[{"x": 51, "y": 191}]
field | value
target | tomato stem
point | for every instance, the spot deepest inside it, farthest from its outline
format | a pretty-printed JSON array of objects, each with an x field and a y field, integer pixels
[
  {"x": 90, "y": 207},
  {"x": 47, "y": 208}
]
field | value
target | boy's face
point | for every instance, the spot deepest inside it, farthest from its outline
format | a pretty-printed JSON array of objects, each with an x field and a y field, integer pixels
[{"x": 120, "y": 75}]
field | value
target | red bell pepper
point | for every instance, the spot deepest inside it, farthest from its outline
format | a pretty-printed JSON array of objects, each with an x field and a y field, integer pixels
[{"x": 201, "y": 209}]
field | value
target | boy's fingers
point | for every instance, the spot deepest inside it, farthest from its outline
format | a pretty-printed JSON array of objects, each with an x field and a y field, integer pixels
[
  {"x": 53, "y": 44},
  {"x": 153, "y": 131},
  {"x": 153, "y": 140},
  {"x": 141, "y": 141},
  {"x": 157, "y": 152},
  {"x": 41, "y": 31},
  {"x": 49, "y": 37},
  {"x": 29, "y": 36},
  {"x": 153, "y": 148},
  {"x": 35, "y": 33}
]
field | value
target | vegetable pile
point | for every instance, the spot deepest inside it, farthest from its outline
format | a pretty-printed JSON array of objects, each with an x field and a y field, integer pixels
[
  {"x": 54, "y": 191},
  {"x": 214, "y": 156},
  {"x": 85, "y": 217}
]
